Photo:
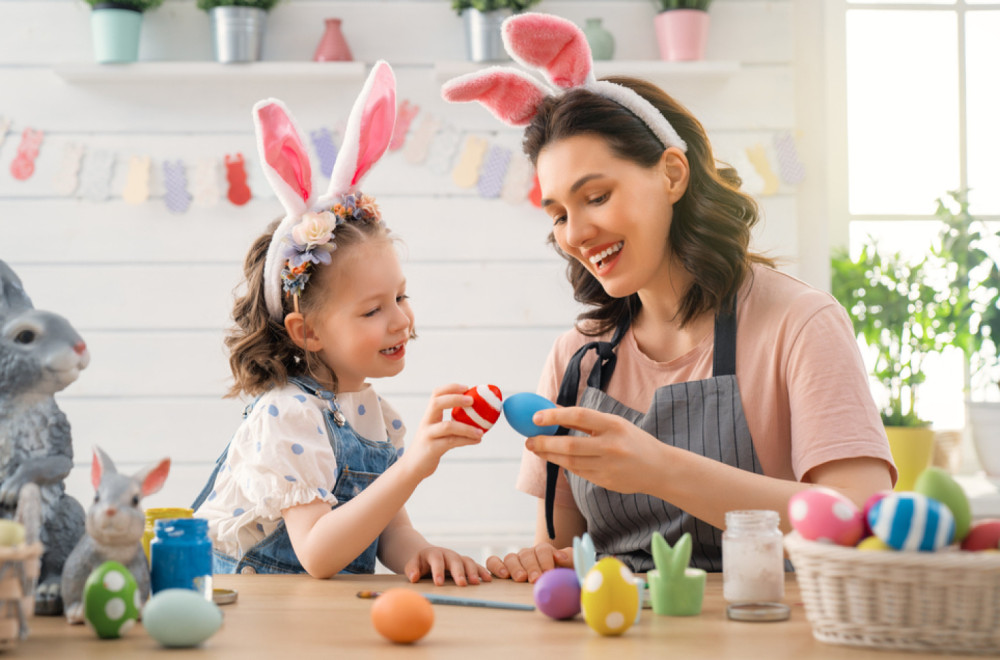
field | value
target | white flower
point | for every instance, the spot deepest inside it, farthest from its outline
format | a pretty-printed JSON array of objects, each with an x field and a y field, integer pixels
[{"x": 314, "y": 229}]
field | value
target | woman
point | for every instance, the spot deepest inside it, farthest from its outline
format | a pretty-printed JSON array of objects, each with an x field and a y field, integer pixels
[{"x": 699, "y": 379}]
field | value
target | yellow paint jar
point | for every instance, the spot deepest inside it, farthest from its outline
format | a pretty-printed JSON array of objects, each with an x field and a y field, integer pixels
[{"x": 162, "y": 513}]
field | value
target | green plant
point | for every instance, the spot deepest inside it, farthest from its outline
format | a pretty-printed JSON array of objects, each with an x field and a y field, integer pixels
[
  {"x": 491, "y": 5},
  {"x": 896, "y": 309},
  {"x": 266, "y": 5},
  {"x": 667, "y": 5},
  {"x": 967, "y": 251},
  {"x": 137, "y": 5}
]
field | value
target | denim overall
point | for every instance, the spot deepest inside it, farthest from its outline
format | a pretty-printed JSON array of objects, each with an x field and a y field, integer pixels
[
  {"x": 704, "y": 416},
  {"x": 359, "y": 462}
]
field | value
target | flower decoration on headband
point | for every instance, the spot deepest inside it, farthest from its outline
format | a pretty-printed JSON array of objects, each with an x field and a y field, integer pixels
[
  {"x": 311, "y": 241},
  {"x": 559, "y": 49},
  {"x": 305, "y": 236}
]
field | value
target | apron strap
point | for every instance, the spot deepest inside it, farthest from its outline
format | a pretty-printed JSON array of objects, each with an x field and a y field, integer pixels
[
  {"x": 569, "y": 390},
  {"x": 724, "y": 353}
]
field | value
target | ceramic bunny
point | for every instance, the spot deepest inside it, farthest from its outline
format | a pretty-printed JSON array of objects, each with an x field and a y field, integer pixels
[
  {"x": 115, "y": 523},
  {"x": 40, "y": 354}
]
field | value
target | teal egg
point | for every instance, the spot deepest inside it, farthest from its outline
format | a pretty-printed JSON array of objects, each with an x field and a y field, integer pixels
[
  {"x": 180, "y": 617},
  {"x": 519, "y": 409},
  {"x": 110, "y": 600}
]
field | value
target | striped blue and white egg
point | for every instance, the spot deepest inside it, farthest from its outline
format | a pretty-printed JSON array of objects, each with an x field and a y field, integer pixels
[{"x": 911, "y": 521}]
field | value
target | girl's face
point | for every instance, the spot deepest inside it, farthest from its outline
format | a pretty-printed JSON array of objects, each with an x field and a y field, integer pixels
[
  {"x": 610, "y": 214},
  {"x": 365, "y": 322}
]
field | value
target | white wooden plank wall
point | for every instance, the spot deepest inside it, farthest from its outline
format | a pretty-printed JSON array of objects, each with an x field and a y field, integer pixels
[{"x": 151, "y": 290}]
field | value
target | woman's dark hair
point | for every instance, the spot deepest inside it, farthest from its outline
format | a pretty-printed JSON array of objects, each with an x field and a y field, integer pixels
[
  {"x": 710, "y": 230},
  {"x": 261, "y": 353}
]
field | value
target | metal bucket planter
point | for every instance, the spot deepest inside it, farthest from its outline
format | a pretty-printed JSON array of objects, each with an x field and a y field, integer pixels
[
  {"x": 237, "y": 33},
  {"x": 482, "y": 34},
  {"x": 115, "y": 30}
]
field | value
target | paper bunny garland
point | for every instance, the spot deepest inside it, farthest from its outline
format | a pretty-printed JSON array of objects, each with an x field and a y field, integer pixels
[
  {"x": 559, "y": 49},
  {"x": 287, "y": 169}
]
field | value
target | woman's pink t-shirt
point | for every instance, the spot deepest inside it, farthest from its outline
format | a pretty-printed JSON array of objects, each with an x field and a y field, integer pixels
[{"x": 802, "y": 381}]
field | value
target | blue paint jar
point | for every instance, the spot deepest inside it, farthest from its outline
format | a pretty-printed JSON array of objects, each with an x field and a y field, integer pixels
[{"x": 180, "y": 556}]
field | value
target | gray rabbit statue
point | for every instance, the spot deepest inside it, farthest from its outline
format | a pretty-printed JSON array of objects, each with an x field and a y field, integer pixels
[
  {"x": 115, "y": 523},
  {"x": 40, "y": 354}
]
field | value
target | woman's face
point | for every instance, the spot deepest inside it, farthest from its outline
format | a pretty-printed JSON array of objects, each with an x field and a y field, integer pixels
[{"x": 610, "y": 214}]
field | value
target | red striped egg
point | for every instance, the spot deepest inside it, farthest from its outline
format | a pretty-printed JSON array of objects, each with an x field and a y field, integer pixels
[{"x": 485, "y": 409}]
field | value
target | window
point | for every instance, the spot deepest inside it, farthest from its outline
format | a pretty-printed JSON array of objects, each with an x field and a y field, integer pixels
[{"x": 922, "y": 98}]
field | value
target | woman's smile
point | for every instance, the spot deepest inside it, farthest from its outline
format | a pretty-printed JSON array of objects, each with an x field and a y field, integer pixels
[{"x": 603, "y": 259}]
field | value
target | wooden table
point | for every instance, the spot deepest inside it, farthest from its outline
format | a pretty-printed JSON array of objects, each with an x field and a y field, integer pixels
[{"x": 298, "y": 617}]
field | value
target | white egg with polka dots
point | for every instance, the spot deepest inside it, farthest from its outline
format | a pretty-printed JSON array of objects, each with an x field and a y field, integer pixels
[
  {"x": 823, "y": 514},
  {"x": 610, "y": 597}
]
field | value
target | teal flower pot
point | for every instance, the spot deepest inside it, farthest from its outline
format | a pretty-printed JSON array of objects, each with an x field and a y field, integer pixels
[{"x": 115, "y": 32}]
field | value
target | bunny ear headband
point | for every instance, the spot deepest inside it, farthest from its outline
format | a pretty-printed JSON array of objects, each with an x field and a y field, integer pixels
[
  {"x": 305, "y": 235},
  {"x": 559, "y": 48}
]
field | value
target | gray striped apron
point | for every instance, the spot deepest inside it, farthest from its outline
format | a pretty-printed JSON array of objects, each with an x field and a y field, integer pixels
[{"x": 704, "y": 416}]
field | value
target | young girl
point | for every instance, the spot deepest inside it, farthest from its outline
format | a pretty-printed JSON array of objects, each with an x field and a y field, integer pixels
[
  {"x": 315, "y": 479},
  {"x": 700, "y": 379}
]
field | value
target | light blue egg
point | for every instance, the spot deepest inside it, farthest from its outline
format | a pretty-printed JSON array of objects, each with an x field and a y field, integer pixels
[
  {"x": 180, "y": 617},
  {"x": 519, "y": 408},
  {"x": 911, "y": 521}
]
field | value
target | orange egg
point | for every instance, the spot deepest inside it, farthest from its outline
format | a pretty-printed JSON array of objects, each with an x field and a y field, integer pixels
[{"x": 402, "y": 615}]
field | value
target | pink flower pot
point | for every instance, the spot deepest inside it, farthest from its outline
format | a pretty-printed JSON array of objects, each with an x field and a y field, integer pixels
[
  {"x": 682, "y": 34},
  {"x": 332, "y": 46}
]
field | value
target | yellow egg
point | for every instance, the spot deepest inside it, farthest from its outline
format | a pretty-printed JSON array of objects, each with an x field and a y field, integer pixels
[
  {"x": 872, "y": 543},
  {"x": 609, "y": 597}
]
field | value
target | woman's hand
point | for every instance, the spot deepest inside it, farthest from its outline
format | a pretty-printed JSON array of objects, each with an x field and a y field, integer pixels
[
  {"x": 530, "y": 563},
  {"x": 436, "y": 435},
  {"x": 614, "y": 453},
  {"x": 438, "y": 561}
]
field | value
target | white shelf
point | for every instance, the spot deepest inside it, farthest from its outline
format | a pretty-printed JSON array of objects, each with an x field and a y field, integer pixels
[
  {"x": 444, "y": 71},
  {"x": 209, "y": 71}
]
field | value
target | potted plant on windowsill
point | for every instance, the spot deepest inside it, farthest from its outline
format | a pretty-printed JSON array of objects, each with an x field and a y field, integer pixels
[
  {"x": 237, "y": 27},
  {"x": 482, "y": 19},
  {"x": 896, "y": 310},
  {"x": 968, "y": 251},
  {"x": 682, "y": 29},
  {"x": 115, "y": 28}
]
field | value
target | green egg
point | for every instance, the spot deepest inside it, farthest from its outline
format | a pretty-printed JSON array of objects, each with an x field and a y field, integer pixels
[
  {"x": 110, "y": 600},
  {"x": 937, "y": 484}
]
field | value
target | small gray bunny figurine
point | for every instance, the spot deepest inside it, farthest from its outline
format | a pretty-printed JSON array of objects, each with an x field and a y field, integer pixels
[
  {"x": 40, "y": 354},
  {"x": 115, "y": 523}
]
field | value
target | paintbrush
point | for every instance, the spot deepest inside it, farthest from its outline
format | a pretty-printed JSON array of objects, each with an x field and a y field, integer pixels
[{"x": 458, "y": 600}]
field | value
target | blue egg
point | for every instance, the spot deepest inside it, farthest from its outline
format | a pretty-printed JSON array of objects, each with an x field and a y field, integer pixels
[
  {"x": 519, "y": 409},
  {"x": 911, "y": 521}
]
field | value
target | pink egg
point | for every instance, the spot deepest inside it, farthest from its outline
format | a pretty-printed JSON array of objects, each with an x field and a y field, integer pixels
[{"x": 821, "y": 514}]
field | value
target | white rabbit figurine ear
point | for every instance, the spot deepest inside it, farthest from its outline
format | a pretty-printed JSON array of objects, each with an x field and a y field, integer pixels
[
  {"x": 368, "y": 132},
  {"x": 99, "y": 465},
  {"x": 152, "y": 477}
]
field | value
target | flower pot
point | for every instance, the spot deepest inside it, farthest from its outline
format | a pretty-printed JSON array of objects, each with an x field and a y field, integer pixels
[
  {"x": 912, "y": 449},
  {"x": 983, "y": 418},
  {"x": 115, "y": 30},
  {"x": 237, "y": 33},
  {"x": 682, "y": 34},
  {"x": 332, "y": 46},
  {"x": 483, "y": 42}
]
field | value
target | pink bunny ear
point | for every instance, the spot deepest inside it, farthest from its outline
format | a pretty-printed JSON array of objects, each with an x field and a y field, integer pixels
[
  {"x": 283, "y": 156},
  {"x": 368, "y": 132},
  {"x": 100, "y": 464},
  {"x": 152, "y": 478},
  {"x": 510, "y": 95},
  {"x": 551, "y": 43}
]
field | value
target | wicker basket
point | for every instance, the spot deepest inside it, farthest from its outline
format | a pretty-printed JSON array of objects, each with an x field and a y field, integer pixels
[
  {"x": 19, "y": 568},
  {"x": 947, "y": 601}
]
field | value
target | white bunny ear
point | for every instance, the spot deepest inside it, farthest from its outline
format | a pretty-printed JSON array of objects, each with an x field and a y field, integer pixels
[
  {"x": 368, "y": 132},
  {"x": 283, "y": 156}
]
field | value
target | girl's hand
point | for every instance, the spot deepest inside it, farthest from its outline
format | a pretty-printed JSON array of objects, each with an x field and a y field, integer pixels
[
  {"x": 614, "y": 453},
  {"x": 530, "y": 563},
  {"x": 438, "y": 561},
  {"x": 436, "y": 435}
]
